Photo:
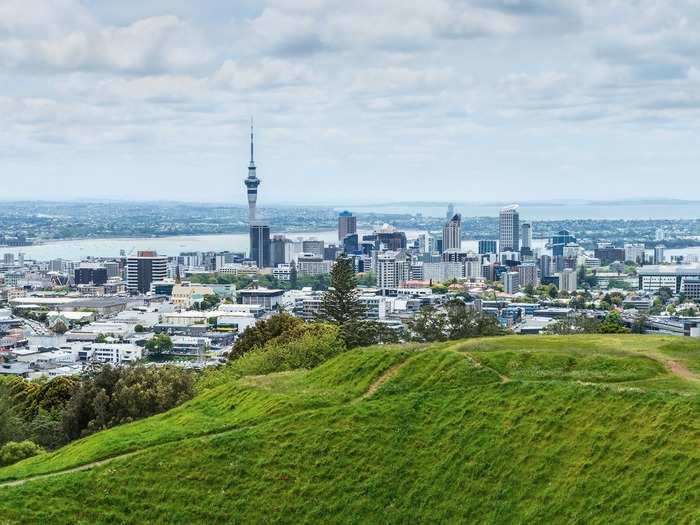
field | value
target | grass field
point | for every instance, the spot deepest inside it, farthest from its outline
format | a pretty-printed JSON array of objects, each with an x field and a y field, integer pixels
[{"x": 580, "y": 429}]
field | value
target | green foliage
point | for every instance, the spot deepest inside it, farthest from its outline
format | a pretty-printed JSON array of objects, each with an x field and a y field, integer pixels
[
  {"x": 305, "y": 346},
  {"x": 612, "y": 324},
  {"x": 159, "y": 344},
  {"x": 581, "y": 324},
  {"x": 258, "y": 335},
  {"x": 139, "y": 329},
  {"x": 15, "y": 451},
  {"x": 457, "y": 321},
  {"x": 109, "y": 396},
  {"x": 208, "y": 302}
]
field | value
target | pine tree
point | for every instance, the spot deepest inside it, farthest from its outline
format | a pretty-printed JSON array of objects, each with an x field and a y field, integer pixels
[
  {"x": 293, "y": 276},
  {"x": 341, "y": 304}
]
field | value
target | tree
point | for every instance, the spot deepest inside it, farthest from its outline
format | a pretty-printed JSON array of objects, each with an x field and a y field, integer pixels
[
  {"x": 209, "y": 302},
  {"x": 14, "y": 451},
  {"x": 581, "y": 324},
  {"x": 293, "y": 275},
  {"x": 263, "y": 331},
  {"x": 466, "y": 322},
  {"x": 552, "y": 291},
  {"x": 139, "y": 329},
  {"x": 159, "y": 344},
  {"x": 341, "y": 304},
  {"x": 428, "y": 325},
  {"x": 639, "y": 324},
  {"x": 612, "y": 324},
  {"x": 529, "y": 290}
]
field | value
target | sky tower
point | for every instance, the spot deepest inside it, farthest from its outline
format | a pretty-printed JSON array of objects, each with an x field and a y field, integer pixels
[{"x": 252, "y": 181}]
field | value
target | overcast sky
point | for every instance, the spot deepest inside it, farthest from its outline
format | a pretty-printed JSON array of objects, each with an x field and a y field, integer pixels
[{"x": 354, "y": 101}]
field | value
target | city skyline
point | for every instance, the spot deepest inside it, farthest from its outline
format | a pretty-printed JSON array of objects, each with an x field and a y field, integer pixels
[{"x": 155, "y": 99}]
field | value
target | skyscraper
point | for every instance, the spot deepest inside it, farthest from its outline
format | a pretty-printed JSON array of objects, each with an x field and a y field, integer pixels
[
  {"x": 452, "y": 233},
  {"x": 260, "y": 244},
  {"x": 526, "y": 235},
  {"x": 347, "y": 224},
  {"x": 509, "y": 229}
]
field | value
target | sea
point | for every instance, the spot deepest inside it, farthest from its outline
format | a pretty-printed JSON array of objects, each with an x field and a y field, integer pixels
[{"x": 79, "y": 249}]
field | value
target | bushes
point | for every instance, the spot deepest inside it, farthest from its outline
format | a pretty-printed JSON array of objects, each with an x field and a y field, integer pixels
[
  {"x": 263, "y": 331},
  {"x": 15, "y": 451},
  {"x": 305, "y": 346},
  {"x": 109, "y": 396}
]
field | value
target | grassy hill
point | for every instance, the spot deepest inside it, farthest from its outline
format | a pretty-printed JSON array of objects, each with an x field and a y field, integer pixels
[{"x": 580, "y": 429}]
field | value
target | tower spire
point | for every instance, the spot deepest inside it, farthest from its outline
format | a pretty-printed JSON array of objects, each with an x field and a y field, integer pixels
[{"x": 252, "y": 160}]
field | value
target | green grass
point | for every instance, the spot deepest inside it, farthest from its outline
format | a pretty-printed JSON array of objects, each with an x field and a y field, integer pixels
[{"x": 580, "y": 429}]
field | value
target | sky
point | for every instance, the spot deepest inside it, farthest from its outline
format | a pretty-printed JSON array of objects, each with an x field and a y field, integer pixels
[{"x": 354, "y": 102}]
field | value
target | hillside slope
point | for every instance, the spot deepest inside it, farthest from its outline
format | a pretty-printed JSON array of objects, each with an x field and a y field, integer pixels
[{"x": 594, "y": 429}]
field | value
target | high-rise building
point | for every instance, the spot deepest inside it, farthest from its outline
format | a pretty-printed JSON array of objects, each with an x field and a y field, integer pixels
[
  {"x": 545, "y": 265},
  {"x": 488, "y": 246},
  {"x": 393, "y": 268},
  {"x": 280, "y": 250},
  {"x": 351, "y": 243},
  {"x": 511, "y": 282},
  {"x": 526, "y": 236},
  {"x": 452, "y": 234},
  {"x": 567, "y": 280},
  {"x": 347, "y": 224},
  {"x": 561, "y": 239},
  {"x": 509, "y": 229},
  {"x": 144, "y": 269},
  {"x": 260, "y": 245},
  {"x": 659, "y": 256},
  {"x": 527, "y": 274},
  {"x": 635, "y": 253},
  {"x": 472, "y": 266}
]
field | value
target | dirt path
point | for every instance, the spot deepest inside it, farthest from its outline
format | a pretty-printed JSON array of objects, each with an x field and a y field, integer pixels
[
  {"x": 382, "y": 379},
  {"x": 678, "y": 369},
  {"x": 87, "y": 466}
]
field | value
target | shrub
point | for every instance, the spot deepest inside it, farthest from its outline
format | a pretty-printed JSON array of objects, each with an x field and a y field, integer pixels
[
  {"x": 305, "y": 346},
  {"x": 15, "y": 451}
]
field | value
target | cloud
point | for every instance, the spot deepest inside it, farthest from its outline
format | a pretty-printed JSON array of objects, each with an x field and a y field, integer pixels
[
  {"x": 151, "y": 45},
  {"x": 260, "y": 74}
]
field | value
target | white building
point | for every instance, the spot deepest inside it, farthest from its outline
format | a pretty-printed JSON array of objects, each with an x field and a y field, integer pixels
[
  {"x": 567, "y": 280},
  {"x": 634, "y": 253},
  {"x": 115, "y": 353},
  {"x": 511, "y": 282},
  {"x": 392, "y": 269},
  {"x": 509, "y": 229},
  {"x": 527, "y": 275}
]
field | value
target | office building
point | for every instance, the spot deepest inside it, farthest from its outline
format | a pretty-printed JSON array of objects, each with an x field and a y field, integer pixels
[
  {"x": 527, "y": 275},
  {"x": 90, "y": 273},
  {"x": 313, "y": 264},
  {"x": 452, "y": 234},
  {"x": 280, "y": 250},
  {"x": 526, "y": 236},
  {"x": 567, "y": 280},
  {"x": 488, "y": 246},
  {"x": 609, "y": 254},
  {"x": 260, "y": 245},
  {"x": 511, "y": 282},
  {"x": 351, "y": 243},
  {"x": 472, "y": 266},
  {"x": 427, "y": 243},
  {"x": 635, "y": 253},
  {"x": 509, "y": 229},
  {"x": 653, "y": 278},
  {"x": 560, "y": 240},
  {"x": 659, "y": 256},
  {"x": 545, "y": 265},
  {"x": 144, "y": 269},
  {"x": 313, "y": 246},
  {"x": 347, "y": 224}
]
